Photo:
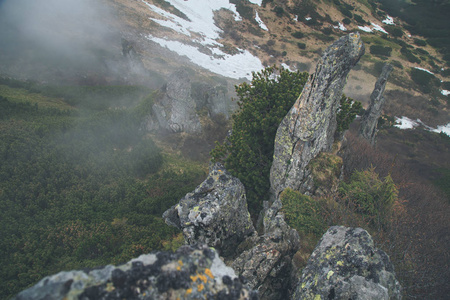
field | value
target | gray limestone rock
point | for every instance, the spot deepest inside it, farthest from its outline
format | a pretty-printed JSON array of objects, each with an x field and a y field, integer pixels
[
  {"x": 369, "y": 121},
  {"x": 176, "y": 111},
  {"x": 346, "y": 265},
  {"x": 192, "y": 272},
  {"x": 214, "y": 98},
  {"x": 309, "y": 126},
  {"x": 268, "y": 264},
  {"x": 215, "y": 213}
]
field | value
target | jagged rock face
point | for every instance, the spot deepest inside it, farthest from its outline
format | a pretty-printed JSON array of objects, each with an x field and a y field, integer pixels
[
  {"x": 190, "y": 273},
  {"x": 176, "y": 111},
  {"x": 215, "y": 99},
  {"x": 268, "y": 264},
  {"x": 309, "y": 126},
  {"x": 346, "y": 265},
  {"x": 215, "y": 213},
  {"x": 369, "y": 121}
]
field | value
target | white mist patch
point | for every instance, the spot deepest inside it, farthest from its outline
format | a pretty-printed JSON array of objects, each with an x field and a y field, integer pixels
[
  {"x": 234, "y": 66},
  {"x": 203, "y": 32},
  {"x": 260, "y": 22}
]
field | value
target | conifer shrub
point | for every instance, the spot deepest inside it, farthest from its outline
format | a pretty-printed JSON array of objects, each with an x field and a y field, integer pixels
[
  {"x": 298, "y": 34},
  {"x": 380, "y": 50},
  {"x": 423, "y": 79},
  {"x": 301, "y": 45},
  {"x": 420, "y": 42},
  {"x": 248, "y": 152},
  {"x": 302, "y": 212},
  {"x": 370, "y": 196}
]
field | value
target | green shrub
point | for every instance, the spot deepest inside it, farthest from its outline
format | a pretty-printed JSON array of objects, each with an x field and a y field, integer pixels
[
  {"x": 395, "y": 31},
  {"x": 327, "y": 30},
  {"x": 423, "y": 79},
  {"x": 409, "y": 55},
  {"x": 279, "y": 11},
  {"x": 346, "y": 21},
  {"x": 380, "y": 50},
  {"x": 302, "y": 212},
  {"x": 370, "y": 196},
  {"x": 359, "y": 19},
  {"x": 248, "y": 152},
  {"x": 347, "y": 112},
  {"x": 298, "y": 34},
  {"x": 419, "y": 42},
  {"x": 301, "y": 46}
]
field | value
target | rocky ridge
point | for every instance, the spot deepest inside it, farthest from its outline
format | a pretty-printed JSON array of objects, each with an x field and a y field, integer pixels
[
  {"x": 369, "y": 121},
  {"x": 309, "y": 126},
  {"x": 215, "y": 214}
]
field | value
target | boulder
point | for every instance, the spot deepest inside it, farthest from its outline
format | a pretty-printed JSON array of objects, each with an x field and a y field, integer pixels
[
  {"x": 176, "y": 110},
  {"x": 215, "y": 213},
  {"x": 192, "y": 272},
  {"x": 268, "y": 264},
  {"x": 369, "y": 121},
  {"x": 309, "y": 126},
  {"x": 346, "y": 265}
]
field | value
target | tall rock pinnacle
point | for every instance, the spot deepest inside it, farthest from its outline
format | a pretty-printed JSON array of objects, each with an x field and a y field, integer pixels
[
  {"x": 369, "y": 121},
  {"x": 309, "y": 126}
]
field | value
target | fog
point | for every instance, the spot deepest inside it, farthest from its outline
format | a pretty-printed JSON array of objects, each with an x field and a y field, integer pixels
[{"x": 61, "y": 41}]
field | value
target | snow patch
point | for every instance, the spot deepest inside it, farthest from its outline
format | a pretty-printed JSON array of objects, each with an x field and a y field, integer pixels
[
  {"x": 445, "y": 92},
  {"x": 340, "y": 27},
  {"x": 308, "y": 18},
  {"x": 257, "y": 2},
  {"x": 260, "y": 22},
  {"x": 425, "y": 70},
  {"x": 365, "y": 28},
  {"x": 389, "y": 20},
  {"x": 203, "y": 32},
  {"x": 296, "y": 18},
  {"x": 234, "y": 66},
  {"x": 407, "y": 123},
  {"x": 378, "y": 28}
]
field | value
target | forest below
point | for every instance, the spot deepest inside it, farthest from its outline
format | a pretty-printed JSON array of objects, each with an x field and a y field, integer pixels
[{"x": 81, "y": 185}]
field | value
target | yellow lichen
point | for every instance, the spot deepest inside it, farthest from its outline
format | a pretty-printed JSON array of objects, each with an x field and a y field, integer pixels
[
  {"x": 200, "y": 287},
  {"x": 209, "y": 273},
  {"x": 202, "y": 278},
  {"x": 188, "y": 291}
]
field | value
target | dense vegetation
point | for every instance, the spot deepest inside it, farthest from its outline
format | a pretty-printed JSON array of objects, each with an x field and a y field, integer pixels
[
  {"x": 248, "y": 152},
  {"x": 80, "y": 186}
]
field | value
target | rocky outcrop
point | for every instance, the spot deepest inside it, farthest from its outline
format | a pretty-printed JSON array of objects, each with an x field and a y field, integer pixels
[
  {"x": 369, "y": 121},
  {"x": 346, "y": 265},
  {"x": 214, "y": 98},
  {"x": 215, "y": 213},
  {"x": 192, "y": 272},
  {"x": 268, "y": 264},
  {"x": 309, "y": 126},
  {"x": 176, "y": 110}
]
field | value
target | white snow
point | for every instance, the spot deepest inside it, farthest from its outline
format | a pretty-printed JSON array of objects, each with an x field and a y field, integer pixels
[
  {"x": 407, "y": 123},
  {"x": 365, "y": 28},
  {"x": 445, "y": 92},
  {"x": 203, "y": 32},
  {"x": 422, "y": 69},
  {"x": 443, "y": 128},
  {"x": 378, "y": 28},
  {"x": 257, "y": 2},
  {"x": 296, "y": 18},
  {"x": 234, "y": 66},
  {"x": 308, "y": 18},
  {"x": 287, "y": 67},
  {"x": 389, "y": 20},
  {"x": 260, "y": 22},
  {"x": 340, "y": 27}
]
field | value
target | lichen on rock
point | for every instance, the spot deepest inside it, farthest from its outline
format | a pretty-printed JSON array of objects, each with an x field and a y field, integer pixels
[
  {"x": 192, "y": 272},
  {"x": 309, "y": 126},
  {"x": 215, "y": 213},
  {"x": 346, "y": 265}
]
